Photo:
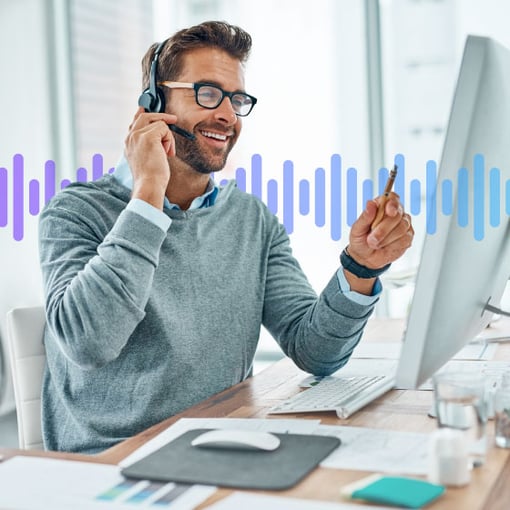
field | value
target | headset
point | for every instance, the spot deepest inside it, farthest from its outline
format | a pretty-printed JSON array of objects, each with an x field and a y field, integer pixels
[{"x": 153, "y": 99}]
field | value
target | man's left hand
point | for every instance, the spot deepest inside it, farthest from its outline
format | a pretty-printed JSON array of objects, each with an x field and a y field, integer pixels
[{"x": 387, "y": 241}]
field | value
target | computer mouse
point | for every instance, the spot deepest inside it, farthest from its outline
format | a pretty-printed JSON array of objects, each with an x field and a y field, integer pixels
[{"x": 237, "y": 440}]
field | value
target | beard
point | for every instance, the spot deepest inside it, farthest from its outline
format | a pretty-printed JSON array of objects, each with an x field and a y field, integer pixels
[{"x": 202, "y": 160}]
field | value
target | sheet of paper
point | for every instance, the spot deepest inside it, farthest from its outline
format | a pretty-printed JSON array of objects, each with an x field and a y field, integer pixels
[
  {"x": 36, "y": 483},
  {"x": 492, "y": 370},
  {"x": 379, "y": 450},
  {"x": 248, "y": 501},
  {"x": 391, "y": 350},
  {"x": 185, "y": 424}
]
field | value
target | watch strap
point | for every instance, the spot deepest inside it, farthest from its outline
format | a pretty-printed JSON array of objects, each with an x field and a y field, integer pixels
[{"x": 358, "y": 269}]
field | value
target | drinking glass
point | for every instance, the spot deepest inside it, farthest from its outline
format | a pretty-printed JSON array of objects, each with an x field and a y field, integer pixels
[{"x": 461, "y": 404}]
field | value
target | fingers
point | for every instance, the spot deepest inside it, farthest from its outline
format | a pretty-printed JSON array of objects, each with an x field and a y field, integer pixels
[
  {"x": 151, "y": 128},
  {"x": 375, "y": 248},
  {"x": 389, "y": 227},
  {"x": 402, "y": 234},
  {"x": 361, "y": 226},
  {"x": 142, "y": 118}
]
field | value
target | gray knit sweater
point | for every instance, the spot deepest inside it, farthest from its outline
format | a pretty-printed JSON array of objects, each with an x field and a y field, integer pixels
[{"x": 142, "y": 324}]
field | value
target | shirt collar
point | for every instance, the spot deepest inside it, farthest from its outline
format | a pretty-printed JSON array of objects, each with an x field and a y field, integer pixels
[{"x": 124, "y": 176}]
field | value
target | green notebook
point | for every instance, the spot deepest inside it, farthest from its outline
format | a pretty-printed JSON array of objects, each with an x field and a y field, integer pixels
[{"x": 394, "y": 490}]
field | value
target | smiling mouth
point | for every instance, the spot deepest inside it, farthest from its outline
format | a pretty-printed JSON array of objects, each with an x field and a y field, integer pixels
[{"x": 214, "y": 136}]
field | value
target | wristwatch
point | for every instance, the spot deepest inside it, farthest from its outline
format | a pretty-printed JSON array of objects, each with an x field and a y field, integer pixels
[{"x": 359, "y": 270}]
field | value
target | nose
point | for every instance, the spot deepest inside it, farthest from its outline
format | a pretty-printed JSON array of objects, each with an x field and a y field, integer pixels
[{"x": 224, "y": 113}]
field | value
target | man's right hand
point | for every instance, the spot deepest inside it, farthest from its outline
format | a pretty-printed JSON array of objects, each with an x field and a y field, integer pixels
[{"x": 148, "y": 145}]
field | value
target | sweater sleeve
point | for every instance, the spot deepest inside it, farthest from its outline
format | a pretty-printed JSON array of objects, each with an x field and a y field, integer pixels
[
  {"x": 317, "y": 333},
  {"x": 96, "y": 281}
]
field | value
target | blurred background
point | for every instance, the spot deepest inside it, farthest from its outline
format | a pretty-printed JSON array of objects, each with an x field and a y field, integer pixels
[{"x": 365, "y": 79}]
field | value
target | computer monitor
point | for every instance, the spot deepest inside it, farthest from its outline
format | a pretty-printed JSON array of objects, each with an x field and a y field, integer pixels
[{"x": 464, "y": 268}]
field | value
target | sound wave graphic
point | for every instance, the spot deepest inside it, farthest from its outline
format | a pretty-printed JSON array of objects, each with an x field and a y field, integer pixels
[
  {"x": 326, "y": 187},
  {"x": 19, "y": 191}
]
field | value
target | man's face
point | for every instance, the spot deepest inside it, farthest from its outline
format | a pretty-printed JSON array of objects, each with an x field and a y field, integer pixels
[{"x": 208, "y": 152}]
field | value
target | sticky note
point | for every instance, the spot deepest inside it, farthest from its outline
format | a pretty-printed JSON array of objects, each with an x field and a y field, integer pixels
[{"x": 394, "y": 490}]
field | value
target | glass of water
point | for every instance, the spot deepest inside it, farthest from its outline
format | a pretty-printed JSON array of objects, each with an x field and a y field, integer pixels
[
  {"x": 502, "y": 412},
  {"x": 461, "y": 404}
]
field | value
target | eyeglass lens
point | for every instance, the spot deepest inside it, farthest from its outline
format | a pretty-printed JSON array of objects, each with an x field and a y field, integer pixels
[{"x": 209, "y": 96}]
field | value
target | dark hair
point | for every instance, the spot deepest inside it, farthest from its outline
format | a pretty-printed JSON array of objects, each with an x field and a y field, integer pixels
[{"x": 219, "y": 34}]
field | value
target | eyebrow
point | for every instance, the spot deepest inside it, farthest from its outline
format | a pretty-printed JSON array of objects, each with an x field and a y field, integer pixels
[{"x": 217, "y": 84}]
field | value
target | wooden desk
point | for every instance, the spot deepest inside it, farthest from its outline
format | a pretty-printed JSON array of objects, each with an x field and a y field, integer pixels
[{"x": 398, "y": 410}]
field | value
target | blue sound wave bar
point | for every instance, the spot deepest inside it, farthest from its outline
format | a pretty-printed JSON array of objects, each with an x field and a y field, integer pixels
[
  {"x": 507, "y": 198},
  {"x": 495, "y": 197},
  {"x": 479, "y": 197},
  {"x": 447, "y": 197},
  {"x": 368, "y": 190},
  {"x": 352, "y": 193},
  {"x": 463, "y": 197},
  {"x": 304, "y": 197},
  {"x": 288, "y": 196},
  {"x": 383, "y": 175},
  {"x": 320, "y": 197},
  {"x": 240, "y": 179},
  {"x": 431, "y": 183},
  {"x": 399, "y": 185},
  {"x": 272, "y": 195},
  {"x": 256, "y": 176},
  {"x": 336, "y": 197},
  {"x": 415, "y": 192}
]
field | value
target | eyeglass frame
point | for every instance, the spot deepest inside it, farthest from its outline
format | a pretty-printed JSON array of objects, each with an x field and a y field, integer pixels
[{"x": 196, "y": 87}]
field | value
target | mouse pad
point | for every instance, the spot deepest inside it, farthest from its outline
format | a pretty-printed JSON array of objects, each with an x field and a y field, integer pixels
[{"x": 282, "y": 468}]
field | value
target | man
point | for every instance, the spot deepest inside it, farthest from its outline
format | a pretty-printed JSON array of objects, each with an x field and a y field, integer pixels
[{"x": 157, "y": 280}]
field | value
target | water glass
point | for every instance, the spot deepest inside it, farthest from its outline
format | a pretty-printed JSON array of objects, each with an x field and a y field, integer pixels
[
  {"x": 461, "y": 404},
  {"x": 502, "y": 412}
]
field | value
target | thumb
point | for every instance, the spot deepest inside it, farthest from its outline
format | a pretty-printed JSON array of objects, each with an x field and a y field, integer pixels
[{"x": 363, "y": 223}]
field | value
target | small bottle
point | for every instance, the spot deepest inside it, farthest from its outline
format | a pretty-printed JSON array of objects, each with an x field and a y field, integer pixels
[
  {"x": 448, "y": 462},
  {"x": 502, "y": 412}
]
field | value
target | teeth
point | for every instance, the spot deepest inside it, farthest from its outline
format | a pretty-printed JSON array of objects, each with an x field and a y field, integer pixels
[{"x": 214, "y": 135}]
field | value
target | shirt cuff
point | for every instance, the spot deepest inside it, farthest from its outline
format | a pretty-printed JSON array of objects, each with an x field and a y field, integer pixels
[
  {"x": 361, "y": 299},
  {"x": 149, "y": 212}
]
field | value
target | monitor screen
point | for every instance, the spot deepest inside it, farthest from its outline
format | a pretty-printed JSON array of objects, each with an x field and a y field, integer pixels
[{"x": 465, "y": 262}]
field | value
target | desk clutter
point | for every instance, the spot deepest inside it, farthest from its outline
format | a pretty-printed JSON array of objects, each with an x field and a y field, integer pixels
[{"x": 181, "y": 462}]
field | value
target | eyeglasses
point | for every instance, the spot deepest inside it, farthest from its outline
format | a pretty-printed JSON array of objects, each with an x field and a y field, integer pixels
[{"x": 210, "y": 96}]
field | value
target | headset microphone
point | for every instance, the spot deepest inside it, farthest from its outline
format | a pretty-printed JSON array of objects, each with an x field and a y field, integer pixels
[{"x": 153, "y": 99}]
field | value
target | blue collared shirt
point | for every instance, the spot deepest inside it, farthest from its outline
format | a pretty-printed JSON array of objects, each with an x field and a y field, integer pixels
[{"x": 124, "y": 176}]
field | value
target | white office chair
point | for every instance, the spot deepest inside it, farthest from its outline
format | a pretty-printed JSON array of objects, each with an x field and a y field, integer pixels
[{"x": 25, "y": 329}]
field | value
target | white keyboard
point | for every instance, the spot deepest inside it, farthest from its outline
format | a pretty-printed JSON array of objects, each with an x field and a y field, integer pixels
[{"x": 345, "y": 395}]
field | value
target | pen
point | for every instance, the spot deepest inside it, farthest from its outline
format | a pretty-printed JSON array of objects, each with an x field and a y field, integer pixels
[
  {"x": 182, "y": 132},
  {"x": 380, "y": 210}
]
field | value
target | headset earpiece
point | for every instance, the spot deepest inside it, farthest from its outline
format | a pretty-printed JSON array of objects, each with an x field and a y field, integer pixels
[
  {"x": 152, "y": 103},
  {"x": 152, "y": 99}
]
